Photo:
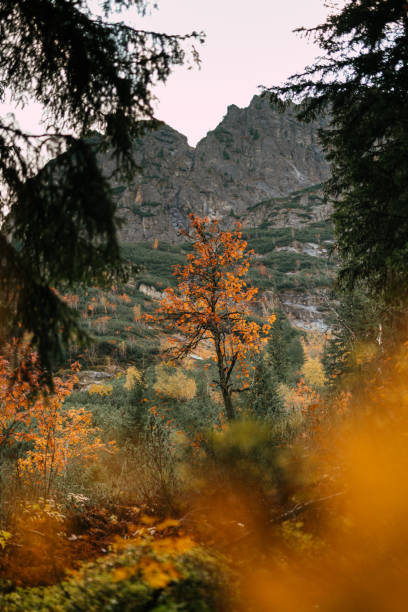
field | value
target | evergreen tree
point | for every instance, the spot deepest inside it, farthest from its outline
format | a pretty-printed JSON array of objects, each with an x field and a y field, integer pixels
[
  {"x": 285, "y": 351},
  {"x": 265, "y": 400},
  {"x": 361, "y": 84},
  {"x": 58, "y": 223},
  {"x": 359, "y": 324}
]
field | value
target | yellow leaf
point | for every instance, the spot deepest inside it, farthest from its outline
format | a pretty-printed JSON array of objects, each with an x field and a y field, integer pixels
[{"x": 4, "y": 536}]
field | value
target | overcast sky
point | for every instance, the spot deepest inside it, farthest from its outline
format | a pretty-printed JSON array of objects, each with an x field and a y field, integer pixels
[{"x": 248, "y": 43}]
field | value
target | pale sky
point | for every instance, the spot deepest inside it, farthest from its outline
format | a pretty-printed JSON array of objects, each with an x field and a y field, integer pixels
[{"x": 248, "y": 43}]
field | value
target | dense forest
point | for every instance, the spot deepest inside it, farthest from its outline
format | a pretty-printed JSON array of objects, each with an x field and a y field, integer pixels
[{"x": 170, "y": 438}]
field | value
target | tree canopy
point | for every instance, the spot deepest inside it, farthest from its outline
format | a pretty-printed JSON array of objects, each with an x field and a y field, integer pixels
[
  {"x": 361, "y": 84},
  {"x": 59, "y": 222},
  {"x": 211, "y": 304}
]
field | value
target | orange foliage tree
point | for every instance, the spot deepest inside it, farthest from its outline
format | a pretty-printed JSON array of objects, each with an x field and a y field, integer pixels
[
  {"x": 56, "y": 434},
  {"x": 211, "y": 303},
  {"x": 19, "y": 380}
]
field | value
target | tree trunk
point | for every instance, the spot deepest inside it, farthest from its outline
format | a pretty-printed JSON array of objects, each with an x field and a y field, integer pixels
[
  {"x": 229, "y": 408},
  {"x": 226, "y": 394}
]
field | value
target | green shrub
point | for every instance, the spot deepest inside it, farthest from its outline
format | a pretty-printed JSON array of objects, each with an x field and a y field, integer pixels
[
  {"x": 135, "y": 579},
  {"x": 254, "y": 133}
]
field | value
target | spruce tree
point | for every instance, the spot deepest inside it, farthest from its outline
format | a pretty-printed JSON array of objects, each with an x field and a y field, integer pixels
[
  {"x": 361, "y": 84},
  {"x": 59, "y": 222},
  {"x": 358, "y": 326},
  {"x": 285, "y": 351},
  {"x": 265, "y": 400}
]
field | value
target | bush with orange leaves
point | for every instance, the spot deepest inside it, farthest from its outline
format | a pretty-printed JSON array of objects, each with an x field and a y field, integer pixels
[
  {"x": 212, "y": 304},
  {"x": 34, "y": 415}
]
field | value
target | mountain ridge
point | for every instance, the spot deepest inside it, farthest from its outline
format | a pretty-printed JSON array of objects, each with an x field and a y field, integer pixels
[{"x": 255, "y": 156}]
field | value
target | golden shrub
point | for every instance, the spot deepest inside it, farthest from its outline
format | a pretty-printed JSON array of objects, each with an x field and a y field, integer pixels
[
  {"x": 133, "y": 378},
  {"x": 100, "y": 389},
  {"x": 176, "y": 386},
  {"x": 313, "y": 372}
]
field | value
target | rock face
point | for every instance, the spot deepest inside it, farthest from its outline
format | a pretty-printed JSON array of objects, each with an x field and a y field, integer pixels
[{"x": 249, "y": 168}]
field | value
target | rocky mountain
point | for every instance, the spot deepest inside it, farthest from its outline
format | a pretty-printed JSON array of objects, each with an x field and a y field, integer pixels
[
  {"x": 255, "y": 157},
  {"x": 258, "y": 166}
]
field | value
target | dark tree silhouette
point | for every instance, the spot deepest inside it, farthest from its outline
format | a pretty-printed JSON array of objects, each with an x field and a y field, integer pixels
[
  {"x": 58, "y": 222},
  {"x": 361, "y": 82}
]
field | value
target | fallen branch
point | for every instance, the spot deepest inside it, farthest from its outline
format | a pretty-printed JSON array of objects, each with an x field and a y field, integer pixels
[{"x": 299, "y": 508}]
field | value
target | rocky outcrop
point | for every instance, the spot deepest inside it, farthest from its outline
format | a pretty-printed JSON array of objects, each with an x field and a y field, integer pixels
[
  {"x": 306, "y": 310},
  {"x": 150, "y": 291}
]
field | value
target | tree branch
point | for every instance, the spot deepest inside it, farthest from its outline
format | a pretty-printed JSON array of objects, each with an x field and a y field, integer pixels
[
  {"x": 233, "y": 361},
  {"x": 299, "y": 508}
]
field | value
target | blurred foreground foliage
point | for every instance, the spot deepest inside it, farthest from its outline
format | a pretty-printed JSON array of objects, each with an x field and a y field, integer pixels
[
  {"x": 302, "y": 510},
  {"x": 168, "y": 574}
]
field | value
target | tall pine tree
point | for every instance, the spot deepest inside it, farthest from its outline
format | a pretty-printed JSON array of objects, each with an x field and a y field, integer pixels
[
  {"x": 361, "y": 83},
  {"x": 58, "y": 224},
  {"x": 265, "y": 400}
]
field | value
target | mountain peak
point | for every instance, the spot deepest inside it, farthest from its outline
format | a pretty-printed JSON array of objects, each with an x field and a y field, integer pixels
[{"x": 253, "y": 156}]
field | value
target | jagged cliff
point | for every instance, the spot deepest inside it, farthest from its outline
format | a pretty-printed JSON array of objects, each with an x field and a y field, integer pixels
[{"x": 246, "y": 168}]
